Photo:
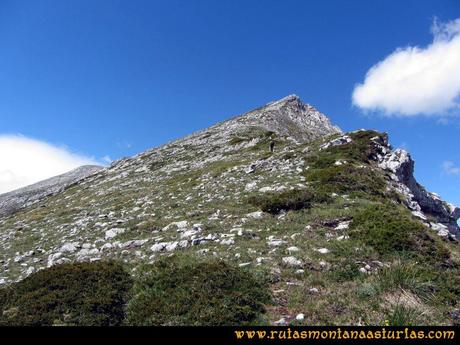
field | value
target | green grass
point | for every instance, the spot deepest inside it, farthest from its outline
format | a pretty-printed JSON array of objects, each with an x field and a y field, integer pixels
[
  {"x": 402, "y": 315},
  {"x": 404, "y": 276}
]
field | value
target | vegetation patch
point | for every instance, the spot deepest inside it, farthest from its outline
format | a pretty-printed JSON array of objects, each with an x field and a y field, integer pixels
[
  {"x": 347, "y": 178},
  {"x": 81, "y": 294},
  {"x": 390, "y": 230},
  {"x": 185, "y": 291},
  {"x": 347, "y": 168},
  {"x": 291, "y": 200},
  {"x": 402, "y": 315},
  {"x": 409, "y": 277}
]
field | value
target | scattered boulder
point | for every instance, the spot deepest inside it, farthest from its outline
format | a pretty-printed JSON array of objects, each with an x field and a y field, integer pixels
[{"x": 291, "y": 261}]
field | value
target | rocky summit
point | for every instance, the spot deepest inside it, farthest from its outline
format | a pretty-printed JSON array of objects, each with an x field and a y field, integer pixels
[{"x": 334, "y": 222}]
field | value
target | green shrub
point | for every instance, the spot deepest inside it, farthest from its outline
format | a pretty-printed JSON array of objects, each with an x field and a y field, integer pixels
[
  {"x": 185, "y": 291},
  {"x": 291, "y": 200},
  {"x": 344, "y": 271},
  {"x": 366, "y": 290},
  {"x": 83, "y": 294}
]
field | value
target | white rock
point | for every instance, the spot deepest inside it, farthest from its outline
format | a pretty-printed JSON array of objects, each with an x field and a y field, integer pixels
[
  {"x": 171, "y": 246},
  {"x": 183, "y": 244},
  {"x": 266, "y": 189},
  {"x": 419, "y": 214},
  {"x": 345, "y": 139},
  {"x": 250, "y": 186},
  {"x": 68, "y": 248},
  {"x": 179, "y": 225},
  {"x": 109, "y": 234},
  {"x": 291, "y": 261},
  {"x": 300, "y": 317},
  {"x": 53, "y": 257},
  {"x": 292, "y": 250},
  {"x": 281, "y": 322},
  {"x": 343, "y": 225},
  {"x": 441, "y": 229},
  {"x": 323, "y": 250},
  {"x": 250, "y": 169},
  {"x": 228, "y": 241},
  {"x": 88, "y": 252},
  {"x": 29, "y": 271},
  {"x": 275, "y": 243},
  {"x": 255, "y": 215},
  {"x": 190, "y": 233},
  {"x": 362, "y": 270},
  {"x": 106, "y": 246},
  {"x": 158, "y": 247}
]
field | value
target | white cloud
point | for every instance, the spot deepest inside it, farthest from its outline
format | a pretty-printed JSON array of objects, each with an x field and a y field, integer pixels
[
  {"x": 449, "y": 168},
  {"x": 413, "y": 80},
  {"x": 24, "y": 161}
]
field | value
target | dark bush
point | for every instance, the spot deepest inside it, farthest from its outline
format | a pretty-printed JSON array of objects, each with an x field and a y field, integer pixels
[
  {"x": 83, "y": 294},
  {"x": 288, "y": 201},
  {"x": 183, "y": 291}
]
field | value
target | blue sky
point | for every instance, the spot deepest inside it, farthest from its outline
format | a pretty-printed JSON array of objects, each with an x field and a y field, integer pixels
[{"x": 113, "y": 78}]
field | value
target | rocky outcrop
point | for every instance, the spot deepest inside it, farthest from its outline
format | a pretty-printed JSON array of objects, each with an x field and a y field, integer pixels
[
  {"x": 12, "y": 201},
  {"x": 440, "y": 215}
]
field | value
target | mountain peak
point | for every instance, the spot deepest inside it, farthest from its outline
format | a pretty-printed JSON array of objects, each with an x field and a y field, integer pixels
[
  {"x": 291, "y": 117},
  {"x": 287, "y": 99}
]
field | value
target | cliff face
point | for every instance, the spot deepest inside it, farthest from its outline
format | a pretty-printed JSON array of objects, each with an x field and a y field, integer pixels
[
  {"x": 324, "y": 210},
  {"x": 438, "y": 214}
]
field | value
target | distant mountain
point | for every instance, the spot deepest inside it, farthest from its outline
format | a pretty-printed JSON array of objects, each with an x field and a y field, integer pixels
[
  {"x": 13, "y": 201},
  {"x": 335, "y": 221}
]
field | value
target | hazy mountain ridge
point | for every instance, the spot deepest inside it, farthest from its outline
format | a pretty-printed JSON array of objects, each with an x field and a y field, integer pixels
[{"x": 13, "y": 201}]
